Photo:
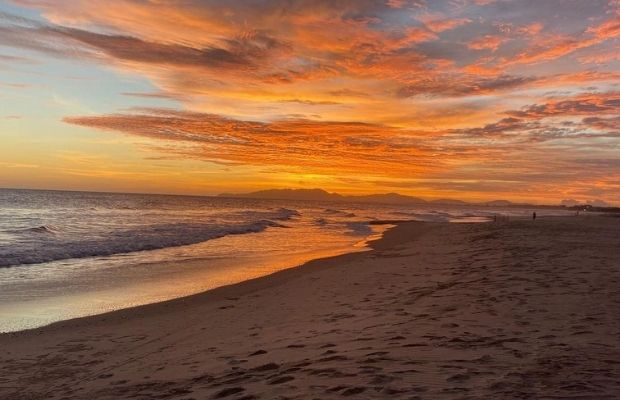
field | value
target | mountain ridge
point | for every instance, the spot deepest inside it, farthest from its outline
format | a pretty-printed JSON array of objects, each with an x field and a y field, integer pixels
[{"x": 381, "y": 198}]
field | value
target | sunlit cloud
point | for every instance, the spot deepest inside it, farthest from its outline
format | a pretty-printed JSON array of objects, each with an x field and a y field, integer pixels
[
  {"x": 487, "y": 42},
  {"x": 296, "y": 144},
  {"x": 432, "y": 96},
  {"x": 477, "y": 154},
  {"x": 439, "y": 23}
]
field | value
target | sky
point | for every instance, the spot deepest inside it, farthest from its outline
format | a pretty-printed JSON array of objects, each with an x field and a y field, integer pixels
[{"x": 469, "y": 99}]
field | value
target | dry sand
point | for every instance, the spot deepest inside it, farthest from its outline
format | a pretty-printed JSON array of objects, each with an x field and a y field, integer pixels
[{"x": 518, "y": 309}]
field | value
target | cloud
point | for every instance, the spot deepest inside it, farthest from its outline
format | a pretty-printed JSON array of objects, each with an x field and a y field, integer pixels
[
  {"x": 488, "y": 42},
  {"x": 607, "y": 30},
  {"x": 577, "y": 119},
  {"x": 550, "y": 47},
  {"x": 347, "y": 93},
  {"x": 196, "y": 50},
  {"x": 406, "y": 3},
  {"x": 475, "y": 94},
  {"x": 611, "y": 124},
  {"x": 531, "y": 29},
  {"x": 590, "y": 103},
  {"x": 438, "y": 23},
  {"x": 361, "y": 149},
  {"x": 14, "y": 59},
  {"x": 598, "y": 58},
  {"x": 310, "y": 102},
  {"x": 153, "y": 95},
  {"x": 292, "y": 144},
  {"x": 13, "y": 85},
  {"x": 240, "y": 53},
  {"x": 454, "y": 86}
]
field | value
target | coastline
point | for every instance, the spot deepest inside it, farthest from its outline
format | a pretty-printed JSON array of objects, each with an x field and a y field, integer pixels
[
  {"x": 223, "y": 292},
  {"x": 119, "y": 287},
  {"x": 432, "y": 310}
]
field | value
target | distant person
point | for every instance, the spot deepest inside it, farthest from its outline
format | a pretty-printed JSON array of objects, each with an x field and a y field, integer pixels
[{"x": 534, "y": 215}]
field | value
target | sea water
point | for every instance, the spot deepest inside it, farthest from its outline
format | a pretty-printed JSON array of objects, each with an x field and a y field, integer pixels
[{"x": 71, "y": 254}]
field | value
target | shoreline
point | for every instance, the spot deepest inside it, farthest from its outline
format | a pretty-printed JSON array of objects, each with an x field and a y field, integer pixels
[
  {"x": 513, "y": 309},
  {"x": 152, "y": 283},
  {"x": 222, "y": 292}
]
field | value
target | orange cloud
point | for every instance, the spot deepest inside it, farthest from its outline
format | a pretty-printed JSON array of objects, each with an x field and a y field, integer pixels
[
  {"x": 608, "y": 29},
  {"x": 586, "y": 104},
  {"x": 318, "y": 147},
  {"x": 487, "y": 42},
  {"x": 390, "y": 90},
  {"x": 460, "y": 85},
  {"x": 551, "y": 47},
  {"x": 438, "y": 23},
  {"x": 341, "y": 149},
  {"x": 531, "y": 29}
]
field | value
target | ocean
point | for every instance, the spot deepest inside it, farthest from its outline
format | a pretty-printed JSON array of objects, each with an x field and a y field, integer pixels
[{"x": 71, "y": 254}]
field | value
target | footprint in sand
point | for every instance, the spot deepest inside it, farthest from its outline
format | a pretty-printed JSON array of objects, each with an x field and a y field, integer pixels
[
  {"x": 128, "y": 339},
  {"x": 458, "y": 378},
  {"x": 353, "y": 391},
  {"x": 266, "y": 367},
  {"x": 282, "y": 379},
  {"x": 228, "y": 392}
]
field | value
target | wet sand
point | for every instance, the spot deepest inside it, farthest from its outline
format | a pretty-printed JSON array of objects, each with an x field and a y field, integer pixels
[{"x": 513, "y": 309}]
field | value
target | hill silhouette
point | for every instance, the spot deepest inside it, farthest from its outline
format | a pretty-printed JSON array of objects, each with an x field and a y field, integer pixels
[{"x": 383, "y": 198}]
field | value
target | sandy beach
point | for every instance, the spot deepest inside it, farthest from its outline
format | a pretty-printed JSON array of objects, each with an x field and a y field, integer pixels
[{"x": 513, "y": 309}]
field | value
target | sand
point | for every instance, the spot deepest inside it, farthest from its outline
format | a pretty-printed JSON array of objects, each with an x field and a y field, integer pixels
[{"x": 513, "y": 309}]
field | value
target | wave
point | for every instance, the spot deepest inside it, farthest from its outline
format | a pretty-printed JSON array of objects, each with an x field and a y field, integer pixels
[
  {"x": 339, "y": 212},
  {"x": 356, "y": 228},
  {"x": 54, "y": 248},
  {"x": 426, "y": 216},
  {"x": 286, "y": 213},
  {"x": 280, "y": 214},
  {"x": 43, "y": 229},
  {"x": 359, "y": 228}
]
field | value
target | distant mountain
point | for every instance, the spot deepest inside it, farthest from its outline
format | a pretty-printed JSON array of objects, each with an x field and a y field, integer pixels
[
  {"x": 450, "y": 202},
  {"x": 499, "y": 203},
  {"x": 289, "y": 194},
  {"x": 388, "y": 198},
  {"x": 322, "y": 195}
]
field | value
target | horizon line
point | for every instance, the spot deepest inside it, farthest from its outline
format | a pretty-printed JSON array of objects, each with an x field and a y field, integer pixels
[{"x": 243, "y": 194}]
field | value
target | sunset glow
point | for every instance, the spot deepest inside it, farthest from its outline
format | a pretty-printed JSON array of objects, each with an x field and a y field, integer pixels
[{"x": 468, "y": 99}]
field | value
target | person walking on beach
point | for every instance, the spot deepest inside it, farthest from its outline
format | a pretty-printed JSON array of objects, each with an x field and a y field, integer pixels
[{"x": 534, "y": 215}]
